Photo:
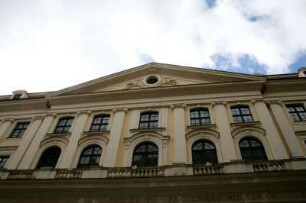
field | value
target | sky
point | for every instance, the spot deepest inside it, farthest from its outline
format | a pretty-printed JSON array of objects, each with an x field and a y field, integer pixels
[{"x": 48, "y": 45}]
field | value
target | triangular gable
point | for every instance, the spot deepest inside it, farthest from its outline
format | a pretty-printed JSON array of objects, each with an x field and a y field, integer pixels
[{"x": 168, "y": 75}]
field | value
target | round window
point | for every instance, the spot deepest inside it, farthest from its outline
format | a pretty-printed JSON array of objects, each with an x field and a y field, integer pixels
[{"x": 152, "y": 80}]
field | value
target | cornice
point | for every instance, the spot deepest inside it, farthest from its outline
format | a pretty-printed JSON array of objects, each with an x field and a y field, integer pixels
[
  {"x": 156, "y": 92},
  {"x": 23, "y": 105}
]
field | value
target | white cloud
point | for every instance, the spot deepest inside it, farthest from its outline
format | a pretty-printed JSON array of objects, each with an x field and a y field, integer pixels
[{"x": 48, "y": 45}]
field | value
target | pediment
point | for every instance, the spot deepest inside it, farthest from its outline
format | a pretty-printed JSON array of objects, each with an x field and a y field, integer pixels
[{"x": 154, "y": 75}]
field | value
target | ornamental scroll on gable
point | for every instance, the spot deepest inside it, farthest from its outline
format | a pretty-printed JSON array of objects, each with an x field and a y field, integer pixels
[{"x": 143, "y": 83}]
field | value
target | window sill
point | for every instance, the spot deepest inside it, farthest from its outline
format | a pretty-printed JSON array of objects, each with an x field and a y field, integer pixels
[
  {"x": 92, "y": 133},
  {"x": 254, "y": 123},
  {"x": 201, "y": 126},
  {"x": 146, "y": 130},
  {"x": 59, "y": 134}
]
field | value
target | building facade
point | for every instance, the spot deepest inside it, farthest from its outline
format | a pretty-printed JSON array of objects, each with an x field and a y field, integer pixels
[{"x": 157, "y": 133}]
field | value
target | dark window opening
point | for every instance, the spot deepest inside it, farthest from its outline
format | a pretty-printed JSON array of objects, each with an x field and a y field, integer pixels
[
  {"x": 49, "y": 157},
  {"x": 19, "y": 130},
  {"x": 199, "y": 116},
  {"x": 99, "y": 123},
  {"x": 63, "y": 125},
  {"x": 297, "y": 112},
  {"x": 203, "y": 152},
  {"x": 90, "y": 156},
  {"x": 148, "y": 120},
  {"x": 252, "y": 150},
  {"x": 241, "y": 114},
  {"x": 145, "y": 154}
]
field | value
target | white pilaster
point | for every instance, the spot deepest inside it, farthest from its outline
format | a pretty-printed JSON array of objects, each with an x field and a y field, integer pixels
[
  {"x": 287, "y": 130},
  {"x": 226, "y": 140},
  {"x": 114, "y": 138},
  {"x": 5, "y": 125},
  {"x": 26, "y": 140},
  {"x": 274, "y": 139},
  {"x": 68, "y": 156},
  {"x": 180, "y": 152},
  {"x": 31, "y": 152}
]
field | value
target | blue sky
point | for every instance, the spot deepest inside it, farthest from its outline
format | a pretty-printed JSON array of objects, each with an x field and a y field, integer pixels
[{"x": 50, "y": 45}]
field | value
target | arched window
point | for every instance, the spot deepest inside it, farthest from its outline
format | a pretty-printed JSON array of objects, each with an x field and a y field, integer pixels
[
  {"x": 99, "y": 123},
  {"x": 145, "y": 154},
  {"x": 90, "y": 156},
  {"x": 199, "y": 116},
  {"x": 49, "y": 157},
  {"x": 241, "y": 114},
  {"x": 63, "y": 125},
  {"x": 252, "y": 150},
  {"x": 204, "y": 151},
  {"x": 148, "y": 119}
]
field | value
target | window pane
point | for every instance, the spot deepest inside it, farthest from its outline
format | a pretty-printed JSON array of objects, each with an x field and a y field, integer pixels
[{"x": 145, "y": 154}]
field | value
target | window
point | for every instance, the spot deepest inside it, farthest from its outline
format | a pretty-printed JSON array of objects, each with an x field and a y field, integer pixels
[
  {"x": 252, "y": 150},
  {"x": 19, "y": 129},
  {"x": 199, "y": 116},
  {"x": 145, "y": 154},
  {"x": 99, "y": 123},
  {"x": 297, "y": 112},
  {"x": 241, "y": 114},
  {"x": 49, "y": 157},
  {"x": 149, "y": 119},
  {"x": 3, "y": 160},
  {"x": 90, "y": 156},
  {"x": 63, "y": 125},
  {"x": 204, "y": 151}
]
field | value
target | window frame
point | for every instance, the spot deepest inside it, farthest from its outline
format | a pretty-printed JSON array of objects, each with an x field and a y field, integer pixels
[
  {"x": 2, "y": 163},
  {"x": 91, "y": 156},
  {"x": 198, "y": 110},
  {"x": 101, "y": 126},
  {"x": 213, "y": 154},
  {"x": 241, "y": 114},
  {"x": 49, "y": 160},
  {"x": 151, "y": 123},
  {"x": 19, "y": 130},
  {"x": 146, "y": 162},
  {"x": 65, "y": 127},
  {"x": 252, "y": 149},
  {"x": 298, "y": 117}
]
